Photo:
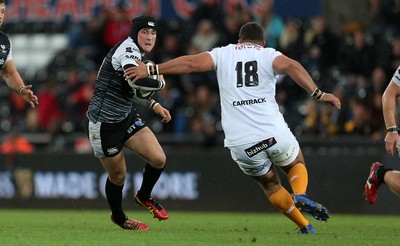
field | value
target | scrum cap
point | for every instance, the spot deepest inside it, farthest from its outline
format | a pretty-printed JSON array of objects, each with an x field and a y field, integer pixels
[{"x": 140, "y": 22}]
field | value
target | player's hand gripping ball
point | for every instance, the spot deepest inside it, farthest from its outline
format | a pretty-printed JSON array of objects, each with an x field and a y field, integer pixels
[
  {"x": 145, "y": 94},
  {"x": 151, "y": 63}
]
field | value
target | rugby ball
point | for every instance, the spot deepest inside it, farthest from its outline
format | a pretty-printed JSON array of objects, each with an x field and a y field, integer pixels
[{"x": 143, "y": 94}]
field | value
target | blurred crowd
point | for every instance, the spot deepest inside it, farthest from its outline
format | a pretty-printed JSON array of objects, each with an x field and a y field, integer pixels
[{"x": 355, "y": 64}]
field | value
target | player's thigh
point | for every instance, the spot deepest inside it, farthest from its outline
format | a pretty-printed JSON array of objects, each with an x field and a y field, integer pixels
[
  {"x": 297, "y": 160},
  {"x": 145, "y": 144},
  {"x": 252, "y": 165},
  {"x": 106, "y": 138},
  {"x": 258, "y": 167},
  {"x": 286, "y": 150}
]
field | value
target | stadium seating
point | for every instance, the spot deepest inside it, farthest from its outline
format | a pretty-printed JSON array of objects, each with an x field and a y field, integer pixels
[{"x": 32, "y": 52}]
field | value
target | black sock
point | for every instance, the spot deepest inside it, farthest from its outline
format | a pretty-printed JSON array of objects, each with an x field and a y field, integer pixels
[
  {"x": 380, "y": 173},
  {"x": 150, "y": 178},
  {"x": 114, "y": 198}
]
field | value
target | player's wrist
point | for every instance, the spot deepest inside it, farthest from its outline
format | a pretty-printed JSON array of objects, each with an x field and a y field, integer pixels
[
  {"x": 153, "y": 104},
  {"x": 152, "y": 70},
  {"x": 20, "y": 89},
  {"x": 317, "y": 94},
  {"x": 150, "y": 101},
  {"x": 155, "y": 107},
  {"x": 391, "y": 129}
]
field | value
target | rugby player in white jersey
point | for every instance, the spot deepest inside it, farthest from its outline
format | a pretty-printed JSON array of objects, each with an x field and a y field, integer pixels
[
  {"x": 379, "y": 174},
  {"x": 255, "y": 131}
]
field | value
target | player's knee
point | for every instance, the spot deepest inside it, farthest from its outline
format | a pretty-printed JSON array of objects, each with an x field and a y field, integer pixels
[
  {"x": 117, "y": 178},
  {"x": 269, "y": 183},
  {"x": 272, "y": 189},
  {"x": 158, "y": 160}
]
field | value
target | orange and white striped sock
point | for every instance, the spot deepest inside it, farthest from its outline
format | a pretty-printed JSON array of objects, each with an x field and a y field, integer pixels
[{"x": 285, "y": 204}]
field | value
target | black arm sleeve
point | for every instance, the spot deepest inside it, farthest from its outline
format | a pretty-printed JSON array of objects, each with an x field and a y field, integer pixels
[{"x": 148, "y": 84}]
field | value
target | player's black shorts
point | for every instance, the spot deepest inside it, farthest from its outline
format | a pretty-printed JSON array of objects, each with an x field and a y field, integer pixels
[{"x": 107, "y": 139}]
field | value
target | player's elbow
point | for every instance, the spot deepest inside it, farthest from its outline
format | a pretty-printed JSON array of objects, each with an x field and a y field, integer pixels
[
  {"x": 292, "y": 65},
  {"x": 284, "y": 65}
]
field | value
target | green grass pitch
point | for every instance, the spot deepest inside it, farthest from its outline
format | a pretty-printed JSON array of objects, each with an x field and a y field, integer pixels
[{"x": 87, "y": 227}]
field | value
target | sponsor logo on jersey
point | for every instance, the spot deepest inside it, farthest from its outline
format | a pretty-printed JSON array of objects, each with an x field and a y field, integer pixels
[
  {"x": 132, "y": 57},
  {"x": 131, "y": 128},
  {"x": 139, "y": 122},
  {"x": 285, "y": 157},
  {"x": 249, "y": 102},
  {"x": 248, "y": 46},
  {"x": 3, "y": 48},
  {"x": 257, "y": 148},
  {"x": 128, "y": 50},
  {"x": 112, "y": 150},
  {"x": 256, "y": 170}
]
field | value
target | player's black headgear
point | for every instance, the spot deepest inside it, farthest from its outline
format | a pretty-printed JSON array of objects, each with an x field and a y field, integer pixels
[{"x": 140, "y": 22}]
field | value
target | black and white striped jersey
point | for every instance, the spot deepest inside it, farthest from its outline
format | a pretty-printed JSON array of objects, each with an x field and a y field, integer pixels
[
  {"x": 112, "y": 99},
  {"x": 5, "y": 49}
]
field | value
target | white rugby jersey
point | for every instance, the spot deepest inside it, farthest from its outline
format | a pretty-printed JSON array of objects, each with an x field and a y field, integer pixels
[
  {"x": 396, "y": 76},
  {"x": 247, "y": 83}
]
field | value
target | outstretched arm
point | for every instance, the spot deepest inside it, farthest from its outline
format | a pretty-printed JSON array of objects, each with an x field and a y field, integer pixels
[
  {"x": 184, "y": 64},
  {"x": 147, "y": 83},
  {"x": 201, "y": 62},
  {"x": 284, "y": 65},
  {"x": 14, "y": 82}
]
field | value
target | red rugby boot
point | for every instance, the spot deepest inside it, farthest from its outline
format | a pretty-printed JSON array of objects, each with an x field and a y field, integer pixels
[
  {"x": 372, "y": 184},
  {"x": 153, "y": 206}
]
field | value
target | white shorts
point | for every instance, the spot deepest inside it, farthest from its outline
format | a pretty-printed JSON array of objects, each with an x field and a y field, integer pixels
[{"x": 256, "y": 159}]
